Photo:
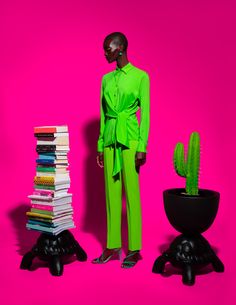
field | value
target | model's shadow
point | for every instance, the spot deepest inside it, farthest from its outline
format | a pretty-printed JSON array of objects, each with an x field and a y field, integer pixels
[
  {"x": 94, "y": 221},
  {"x": 25, "y": 238}
]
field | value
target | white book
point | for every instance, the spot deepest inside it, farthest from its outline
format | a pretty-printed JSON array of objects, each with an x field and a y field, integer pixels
[
  {"x": 53, "y": 202},
  {"x": 56, "y": 141},
  {"x": 61, "y": 207},
  {"x": 61, "y": 157},
  {"x": 50, "y": 193},
  {"x": 56, "y": 166},
  {"x": 50, "y": 199},
  {"x": 57, "y": 187},
  {"x": 54, "y": 134},
  {"x": 52, "y": 174}
]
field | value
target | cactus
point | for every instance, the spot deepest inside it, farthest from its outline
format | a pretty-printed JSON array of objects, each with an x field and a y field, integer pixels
[{"x": 190, "y": 168}]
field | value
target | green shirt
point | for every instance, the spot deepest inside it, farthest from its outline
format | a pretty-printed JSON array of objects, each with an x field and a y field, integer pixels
[{"x": 123, "y": 92}]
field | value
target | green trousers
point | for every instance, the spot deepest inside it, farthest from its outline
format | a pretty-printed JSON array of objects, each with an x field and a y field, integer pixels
[{"x": 113, "y": 189}]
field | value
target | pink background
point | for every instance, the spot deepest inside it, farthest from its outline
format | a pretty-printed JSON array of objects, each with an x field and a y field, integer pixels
[{"x": 51, "y": 62}]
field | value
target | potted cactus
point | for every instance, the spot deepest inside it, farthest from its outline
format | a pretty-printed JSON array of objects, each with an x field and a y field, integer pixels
[{"x": 190, "y": 211}]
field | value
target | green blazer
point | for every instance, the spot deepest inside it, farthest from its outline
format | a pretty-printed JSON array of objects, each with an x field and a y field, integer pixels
[{"x": 123, "y": 92}]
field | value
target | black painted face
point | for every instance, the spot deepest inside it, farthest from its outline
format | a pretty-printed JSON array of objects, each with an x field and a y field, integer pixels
[{"x": 111, "y": 50}]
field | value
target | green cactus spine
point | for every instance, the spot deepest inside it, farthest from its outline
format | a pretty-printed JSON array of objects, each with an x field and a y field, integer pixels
[{"x": 190, "y": 168}]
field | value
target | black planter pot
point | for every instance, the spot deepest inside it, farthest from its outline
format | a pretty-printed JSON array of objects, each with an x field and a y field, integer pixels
[
  {"x": 190, "y": 215},
  {"x": 55, "y": 250}
]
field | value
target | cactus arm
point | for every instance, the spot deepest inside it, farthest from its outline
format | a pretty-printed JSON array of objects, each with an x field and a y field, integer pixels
[
  {"x": 179, "y": 162},
  {"x": 193, "y": 160}
]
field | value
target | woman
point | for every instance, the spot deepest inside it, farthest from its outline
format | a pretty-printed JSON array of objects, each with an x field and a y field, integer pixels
[{"x": 121, "y": 146}]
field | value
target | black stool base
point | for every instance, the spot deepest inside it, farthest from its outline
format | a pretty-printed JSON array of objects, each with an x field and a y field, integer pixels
[
  {"x": 54, "y": 250},
  {"x": 189, "y": 253}
]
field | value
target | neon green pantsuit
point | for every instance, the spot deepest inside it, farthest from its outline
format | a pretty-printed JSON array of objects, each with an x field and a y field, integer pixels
[
  {"x": 123, "y": 92},
  {"x": 113, "y": 189}
]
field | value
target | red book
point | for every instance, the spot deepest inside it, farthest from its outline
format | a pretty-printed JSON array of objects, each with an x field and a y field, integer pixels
[{"x": 51, "y": 129}]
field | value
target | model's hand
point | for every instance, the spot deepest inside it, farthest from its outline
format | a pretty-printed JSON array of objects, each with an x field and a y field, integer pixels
[
  {"x": 140, "y": 158},
  {"x": 100, "y": 159}
]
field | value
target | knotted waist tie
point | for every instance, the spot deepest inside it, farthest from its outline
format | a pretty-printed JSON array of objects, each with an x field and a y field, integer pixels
[{"x": 121, "y": 138}]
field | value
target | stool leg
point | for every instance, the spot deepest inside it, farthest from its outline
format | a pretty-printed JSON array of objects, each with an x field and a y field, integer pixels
[
  {"x": 55, "y": 265},
  {"x": 188, "y": 276}
]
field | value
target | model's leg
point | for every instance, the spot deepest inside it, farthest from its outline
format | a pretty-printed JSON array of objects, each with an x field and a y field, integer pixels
[
  {"x": 113, "y": 189},
  {"x": 133, "y": 203}
]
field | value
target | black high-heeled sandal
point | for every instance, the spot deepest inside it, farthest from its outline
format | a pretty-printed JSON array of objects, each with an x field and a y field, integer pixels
[
  {"x": 128, "y": 263},
  {"x": 102, "y": 259}
]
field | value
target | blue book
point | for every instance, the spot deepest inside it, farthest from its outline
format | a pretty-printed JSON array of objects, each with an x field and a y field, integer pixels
[
  {"x": 45, "y": 161},
  {"x": 47, "y": 157},
  {"x": 41, "y": 223}
]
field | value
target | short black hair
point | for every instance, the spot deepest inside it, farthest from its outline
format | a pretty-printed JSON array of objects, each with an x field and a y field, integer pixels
[{"x": 120, "y": 39}]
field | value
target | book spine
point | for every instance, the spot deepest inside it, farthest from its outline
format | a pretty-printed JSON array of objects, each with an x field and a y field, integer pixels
[
  {"x": 44, "y": 180},
  {"x": 45, "y": 130}
]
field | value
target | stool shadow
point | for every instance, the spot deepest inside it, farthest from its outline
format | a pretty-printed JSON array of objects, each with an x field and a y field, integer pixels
[{"x": 25, "y": 238}]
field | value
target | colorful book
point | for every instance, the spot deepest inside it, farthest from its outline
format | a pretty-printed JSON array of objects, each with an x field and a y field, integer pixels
[
  {"x": 51, "y": 135},
  {"x": 44, "y": 216},
  {"x": 49, "y": 224},
  {"x": 52, "y": 157},
  {"x": 52, "y": 208},
  {"x": 56, "y": 187},
  {"x": 52, "y": 213},
  {"x": 55, "y": 175},
  {"x": 53, "y": 165},
  {"x": 51, "y": 169},
  {"x": 51, "y": 148},
  {"x": 53, "y": 231},
  {"x": 50, "y": 129},
  {"x": 51, "y": 162},
  {"x": 50, "y": 180},
  {"x": 56, "y": 141},
  {"x": 49, "y": 198},
  {"x": 50, "y": 193}
]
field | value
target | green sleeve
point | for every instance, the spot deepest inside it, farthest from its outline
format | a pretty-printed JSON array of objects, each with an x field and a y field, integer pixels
[
  {"x": 100, "y": 142},
  {"x": 144, "y": 97}
]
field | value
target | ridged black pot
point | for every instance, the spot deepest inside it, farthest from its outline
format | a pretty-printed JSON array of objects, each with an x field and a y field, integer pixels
[{"x": 191, "y": 214}]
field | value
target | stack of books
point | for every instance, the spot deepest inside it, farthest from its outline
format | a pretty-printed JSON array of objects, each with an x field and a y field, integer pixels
[{"x": 51, "y": 210}]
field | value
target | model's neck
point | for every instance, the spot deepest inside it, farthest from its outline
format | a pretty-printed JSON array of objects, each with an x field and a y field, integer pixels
[{"x": 122, "y": 61}]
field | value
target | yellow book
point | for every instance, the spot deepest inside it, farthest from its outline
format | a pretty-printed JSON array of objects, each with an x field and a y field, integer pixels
[
  {"x": 44, "y": 180},
  {"x": 32, "y": 214},
  {"x": 50, "y": 180}
]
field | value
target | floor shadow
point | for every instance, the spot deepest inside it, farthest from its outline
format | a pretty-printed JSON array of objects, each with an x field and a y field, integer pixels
[
  {"x": 25, "y": 238},
  {"x": 94, "y": 220},
  {"x": 165, "y": 246}
]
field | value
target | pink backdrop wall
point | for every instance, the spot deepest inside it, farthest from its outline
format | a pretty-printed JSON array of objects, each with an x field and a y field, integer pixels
[{"x": 51, "y": 62}]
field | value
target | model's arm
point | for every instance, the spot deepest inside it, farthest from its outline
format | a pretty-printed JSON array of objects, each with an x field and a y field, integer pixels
[
  {"x": 144, "y": 96},
  {"x": 100, "y": 142}
]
